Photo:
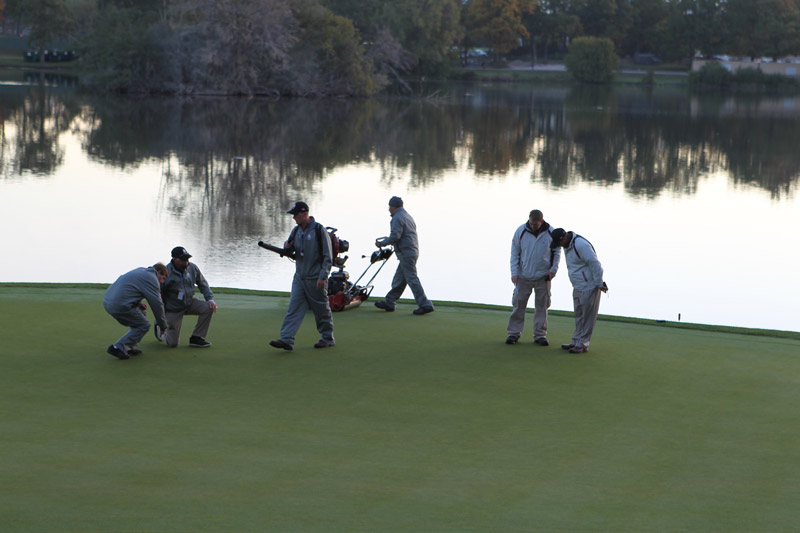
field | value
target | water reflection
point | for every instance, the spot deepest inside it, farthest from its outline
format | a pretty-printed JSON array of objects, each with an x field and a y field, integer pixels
[
  {"x": 250, "y": 154},
  {"x": 35, "y": 119}
]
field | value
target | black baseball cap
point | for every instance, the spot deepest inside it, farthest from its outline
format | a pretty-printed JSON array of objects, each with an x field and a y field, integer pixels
[
  {"x": 298, "y": 207},
  {"x": 179, "y": 252},
  {"x": 557, "y": 235}
]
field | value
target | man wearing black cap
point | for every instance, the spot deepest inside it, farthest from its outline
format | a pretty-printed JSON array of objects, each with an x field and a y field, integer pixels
[
  {"x": 178, "y": 293},
  {"x": 313, "y": 262},
  {"x": 403, "y": 236},
  {"x": 586, "y": 276}
]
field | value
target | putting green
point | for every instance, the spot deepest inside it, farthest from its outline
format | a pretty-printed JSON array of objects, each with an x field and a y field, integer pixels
[{"x": 409, "y": 424}]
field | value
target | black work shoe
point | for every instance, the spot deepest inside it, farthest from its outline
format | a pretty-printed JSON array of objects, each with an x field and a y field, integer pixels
[
  {"x": 198, "y": 342},
  {"x": 116, "y": 352},
  {"x": 280, "y": 344},
  {"x": 384, "y": 306},
  {"x": 512, "y": 339},
  {"x": 322, "y": 344},
  {"x": 423, "y": 310},
  {"x": 567, "y": 346},
  {"x": 541, "y": 341},
  {"x": 578, "y": 349},
  {"x": 134, "y": 351}
]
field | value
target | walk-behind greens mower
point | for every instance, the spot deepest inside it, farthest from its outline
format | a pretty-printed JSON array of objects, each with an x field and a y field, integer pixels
[{"x": 342, "y": 293}]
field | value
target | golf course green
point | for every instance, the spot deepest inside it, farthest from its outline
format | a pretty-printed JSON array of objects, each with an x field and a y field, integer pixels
[{"x": 409, "y": 423}]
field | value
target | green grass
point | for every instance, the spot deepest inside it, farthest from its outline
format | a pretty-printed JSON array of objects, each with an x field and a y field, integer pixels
[
  {"x": 507, "y": 75},
  {"x": 560, "y": 77},
  {"x": 10, "y": 58},
  {"x": 408, "y": 424}
]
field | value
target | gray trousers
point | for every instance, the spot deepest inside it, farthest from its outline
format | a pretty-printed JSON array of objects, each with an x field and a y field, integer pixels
[
  {"x": 175, "y": 321},
  {"x": 135, "y": 319},
  {"x": 519, "y": 303},
  {"x": 587, "y": 305},
  {"x": 406, "y": 275},
  {"x": 305, "y": 295}
]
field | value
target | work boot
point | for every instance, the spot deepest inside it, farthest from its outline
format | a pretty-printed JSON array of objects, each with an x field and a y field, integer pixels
[
  {"x": 322, "y": 344},
  {"x": 198, "y": 342},
  {"x": 280, "y": 344},
  {"x": 116, "y": 352},
  {"x": 385, "y": 306}
]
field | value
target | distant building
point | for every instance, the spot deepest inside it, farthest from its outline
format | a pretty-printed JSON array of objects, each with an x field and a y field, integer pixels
[{"x": 787, "y": 66}]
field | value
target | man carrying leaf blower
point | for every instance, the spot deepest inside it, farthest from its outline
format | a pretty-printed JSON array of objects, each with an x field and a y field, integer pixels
[{"x": 310, "y": 283}]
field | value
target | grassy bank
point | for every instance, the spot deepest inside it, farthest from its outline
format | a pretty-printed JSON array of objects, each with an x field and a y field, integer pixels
[
  {"x": 504, "y": 75},
  {"x": 408, "y": 424}
]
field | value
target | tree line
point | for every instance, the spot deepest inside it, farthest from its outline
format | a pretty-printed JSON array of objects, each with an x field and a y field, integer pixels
[{"x": 357, "y": 47}]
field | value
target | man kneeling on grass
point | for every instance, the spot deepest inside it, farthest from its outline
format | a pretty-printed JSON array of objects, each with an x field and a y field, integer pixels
[
  {"x": 178, "y": 291},
  {"x": 123, "y": 301}
]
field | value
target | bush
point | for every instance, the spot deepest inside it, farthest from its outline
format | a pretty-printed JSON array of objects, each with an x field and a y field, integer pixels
[
  {"x": 715, "y": 75},
  {"x": 711, "y": 74},
  {"x": 591, "y": 60}
]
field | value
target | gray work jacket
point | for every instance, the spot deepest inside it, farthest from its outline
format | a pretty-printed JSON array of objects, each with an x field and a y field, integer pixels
[
  {"x": 130, "y": 288},
  {"x": 585, "y": 270},
  {"x": 312, "y": 261},
  {"x": 403, "y": 234},
  {"x": 178, "y": 289},
  {"x": 531, "y": 255}
]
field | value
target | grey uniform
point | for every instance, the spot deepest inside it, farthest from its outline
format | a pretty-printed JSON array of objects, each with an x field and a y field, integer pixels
[
  {"x": 178, "y": 291},
  {"x": 586, "y": 275},
  {"x": 313, "y": 261},
  {"x": 403, "y": 235},
  {"x": 531, "y": 260},
  {"x": 122, "y": 302}
]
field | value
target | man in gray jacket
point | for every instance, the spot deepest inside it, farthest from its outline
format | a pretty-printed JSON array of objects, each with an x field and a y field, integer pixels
[
  {"x": 313, "y": 261},
  {"x": 533, "y": 264},
  {"x": 586, "y": 276},
  {"x": 178, "y": 291},
  {"x": 123, "y": 301},
  {"x": 403, "y": 235}
]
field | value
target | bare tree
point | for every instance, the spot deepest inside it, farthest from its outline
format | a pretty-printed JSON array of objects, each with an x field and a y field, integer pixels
[{"x": 234, "y": 46}]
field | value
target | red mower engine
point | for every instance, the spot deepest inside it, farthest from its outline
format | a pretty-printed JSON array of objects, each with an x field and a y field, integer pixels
[{"x": 342, "y": 293}]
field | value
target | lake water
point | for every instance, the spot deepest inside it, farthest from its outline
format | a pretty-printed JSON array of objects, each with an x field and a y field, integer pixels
[{"x": 690, "y": 202}]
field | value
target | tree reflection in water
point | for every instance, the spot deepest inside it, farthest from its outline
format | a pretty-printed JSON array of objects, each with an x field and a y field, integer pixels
[
  {"x": 253, "y": 157},
  {"x": 31, "y": 122}
]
